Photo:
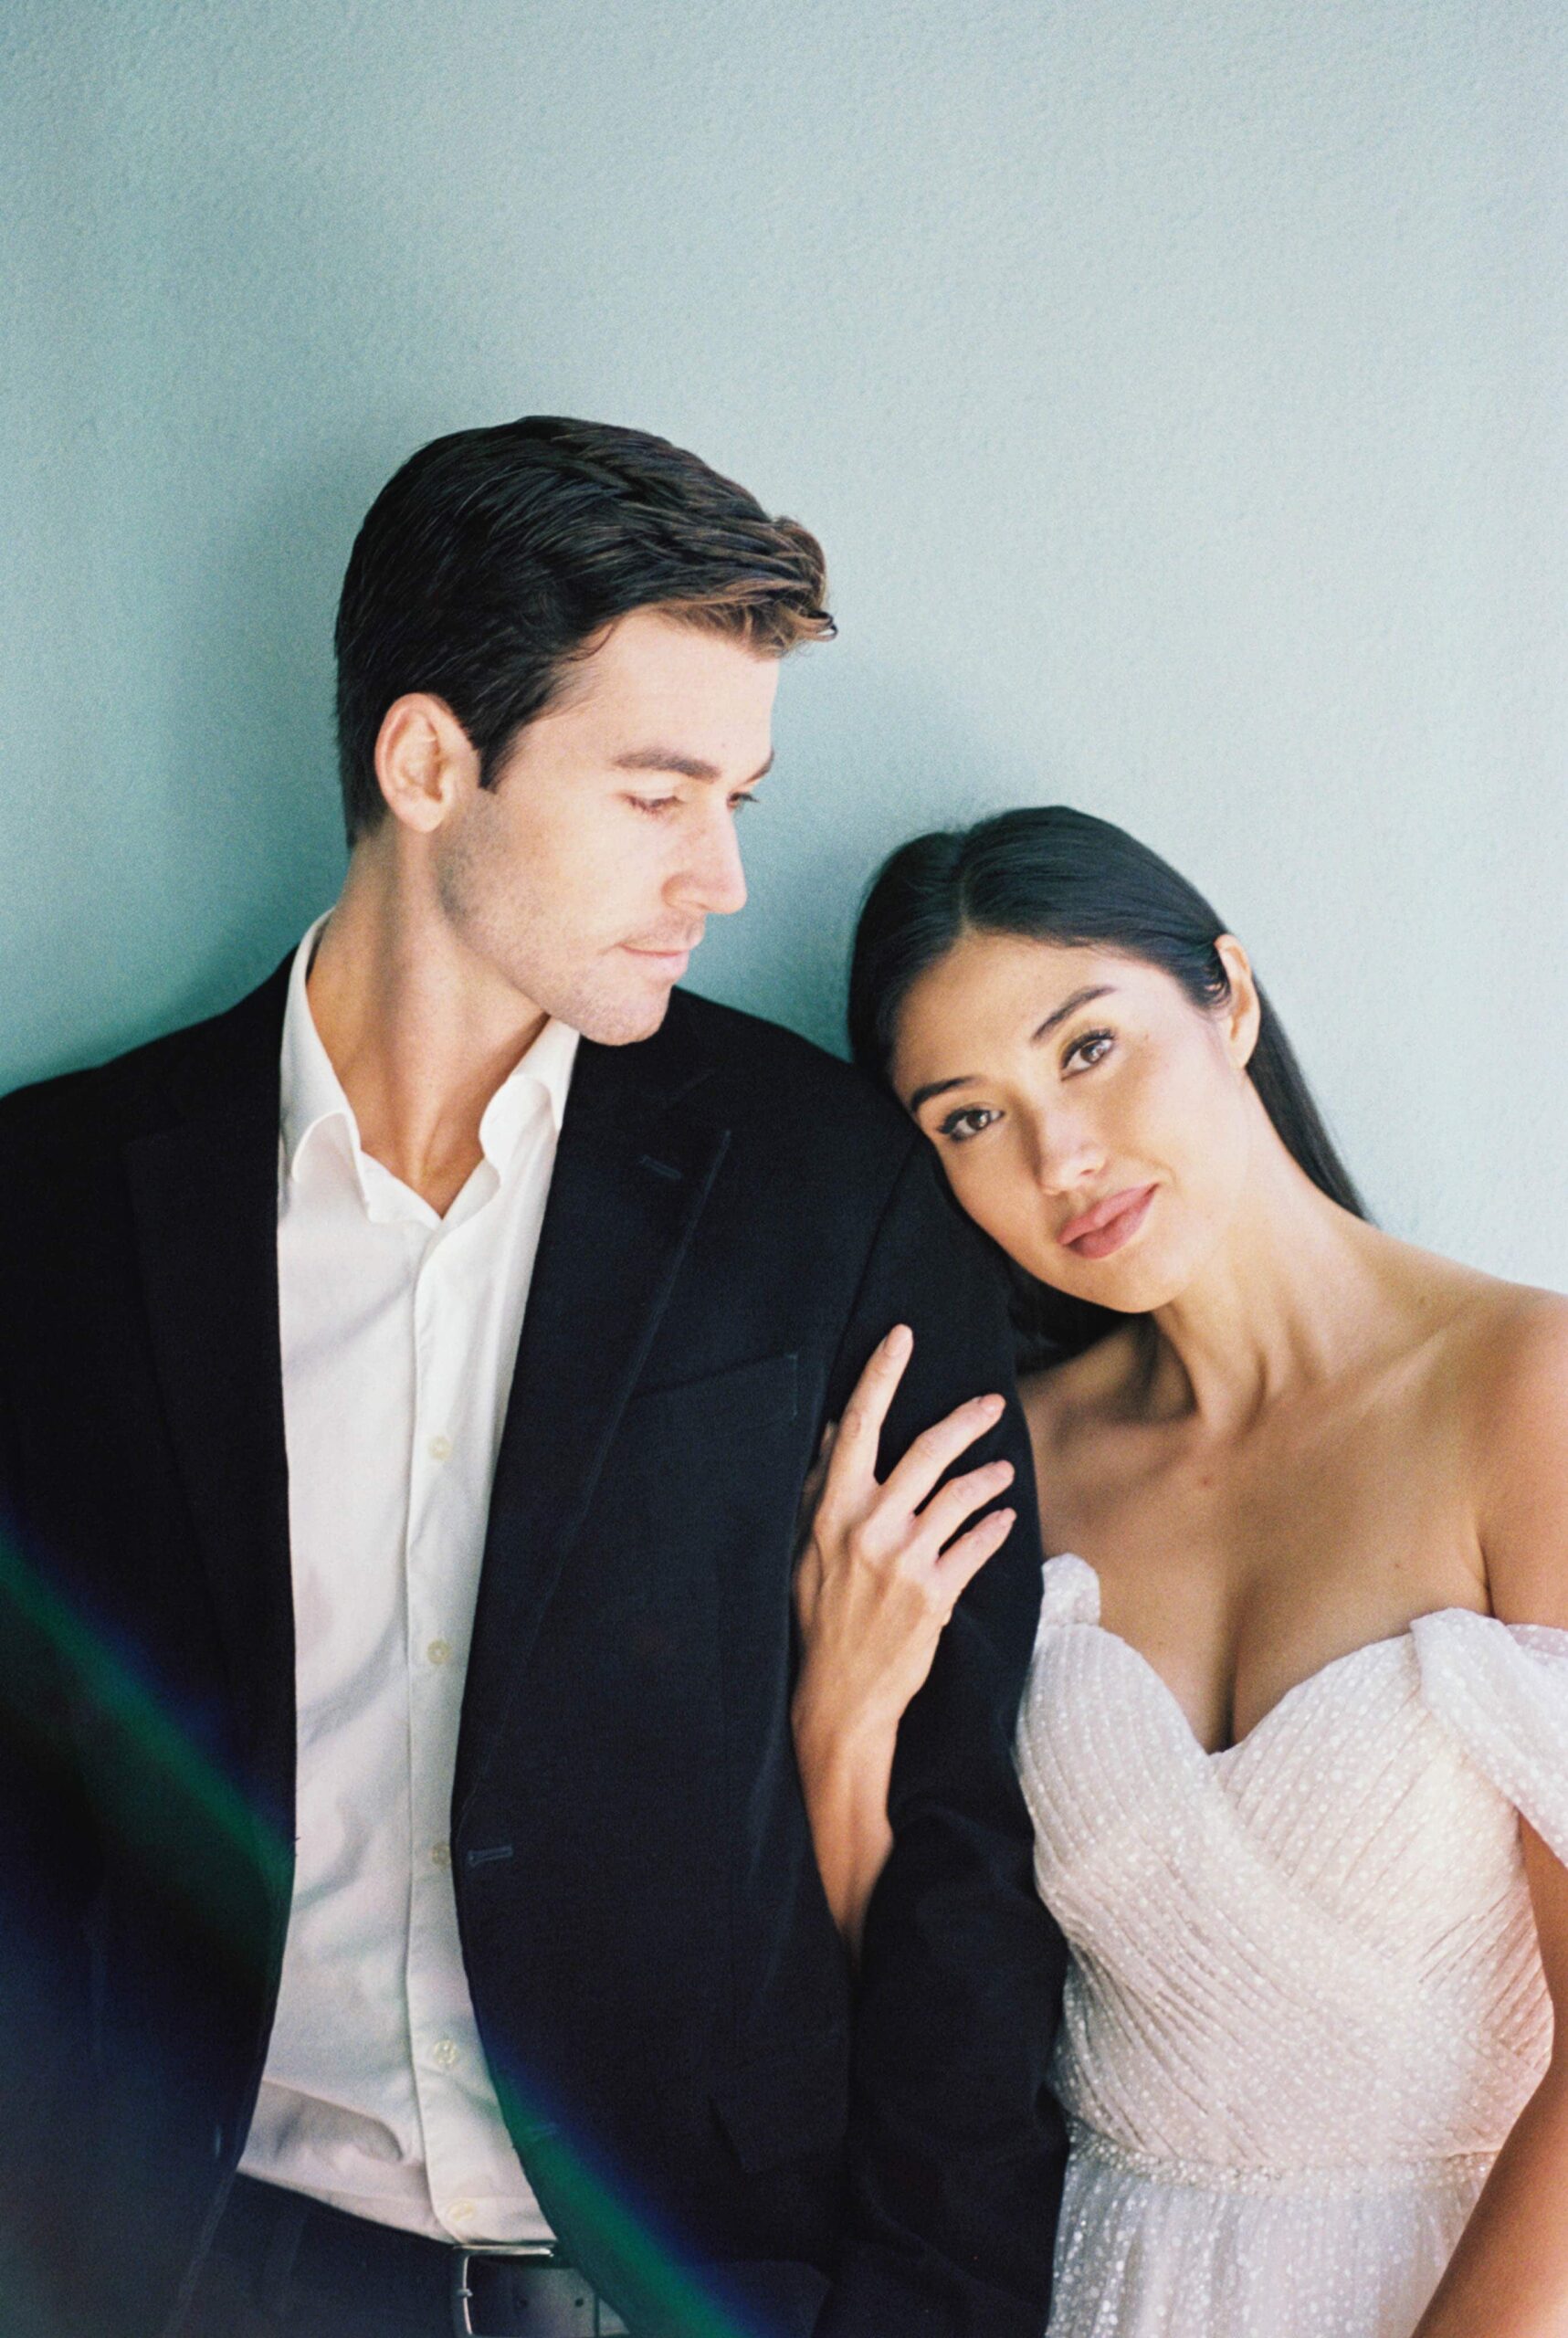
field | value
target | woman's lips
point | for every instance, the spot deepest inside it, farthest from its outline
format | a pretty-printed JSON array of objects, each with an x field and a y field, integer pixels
[{"x": 1097, "y": 1231}]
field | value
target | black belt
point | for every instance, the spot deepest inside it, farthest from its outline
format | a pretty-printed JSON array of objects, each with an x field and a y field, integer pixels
[{"x": 287, "y": 2241}]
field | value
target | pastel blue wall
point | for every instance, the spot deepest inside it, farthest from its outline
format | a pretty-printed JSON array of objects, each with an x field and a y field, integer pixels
[{"x": 1180, "y": 390}]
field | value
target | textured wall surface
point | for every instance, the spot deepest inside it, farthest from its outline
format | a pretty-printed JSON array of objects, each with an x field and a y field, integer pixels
[{"x": 1181, "y": 391}]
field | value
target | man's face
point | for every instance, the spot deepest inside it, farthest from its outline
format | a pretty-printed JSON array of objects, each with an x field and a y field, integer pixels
[{"x": 585, "y": 877}]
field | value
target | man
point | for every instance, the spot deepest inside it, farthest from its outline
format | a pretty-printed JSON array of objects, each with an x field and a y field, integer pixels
[{"x": 407, "y": 1382}]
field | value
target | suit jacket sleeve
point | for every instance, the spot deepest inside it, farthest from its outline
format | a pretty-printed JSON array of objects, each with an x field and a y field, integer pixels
[{"x": 957, "y": 2147}]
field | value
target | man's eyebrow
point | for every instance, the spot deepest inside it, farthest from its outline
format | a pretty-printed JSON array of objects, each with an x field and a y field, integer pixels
[
  {"x": 671, "y": 760},
  {"x": 1059, "y": 1015}
]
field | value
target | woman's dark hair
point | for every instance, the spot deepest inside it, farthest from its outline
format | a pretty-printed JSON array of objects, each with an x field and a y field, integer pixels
[
  {"x": 495, "y": 557},
  {"x": 1055, "y": 875}
]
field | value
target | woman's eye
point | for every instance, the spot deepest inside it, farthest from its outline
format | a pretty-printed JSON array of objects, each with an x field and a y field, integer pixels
[
  {"x": 962, "y": 1125},
  {"x": 1090, "y": 1049}
]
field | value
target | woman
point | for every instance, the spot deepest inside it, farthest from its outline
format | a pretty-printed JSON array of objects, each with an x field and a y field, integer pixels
[{"x": 1295, "y": 1739}]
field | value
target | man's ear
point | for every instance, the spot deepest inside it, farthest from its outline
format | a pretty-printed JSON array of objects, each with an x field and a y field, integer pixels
[
  {"x": 425, "y": 762},
  {"x": 1242, "y": 1013}
]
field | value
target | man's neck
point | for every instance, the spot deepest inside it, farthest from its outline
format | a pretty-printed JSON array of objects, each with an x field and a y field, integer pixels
[{"x": 420, "y": 1035}]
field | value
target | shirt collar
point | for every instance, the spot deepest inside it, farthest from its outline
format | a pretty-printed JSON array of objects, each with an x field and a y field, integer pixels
[
  {"x": 548, "y": 1065},
  {"x": 311, "y": 1093}
]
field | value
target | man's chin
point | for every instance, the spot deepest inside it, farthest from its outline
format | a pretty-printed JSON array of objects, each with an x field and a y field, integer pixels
[{"x": 621, "y": 1022}]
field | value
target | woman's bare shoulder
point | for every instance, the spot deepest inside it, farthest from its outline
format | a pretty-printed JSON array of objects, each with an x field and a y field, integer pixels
[
  {"x": 1504, "y": 1352},
  {"x": 1476, "y": 1326},
  {"x": 1501, "y": 1340},
  {"x": 1513, "y": 1357}
]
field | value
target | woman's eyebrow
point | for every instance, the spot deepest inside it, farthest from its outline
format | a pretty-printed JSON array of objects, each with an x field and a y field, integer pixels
[
  {"x": 937, "y": 1088},
  {"x": 1069, "y": 1005}
]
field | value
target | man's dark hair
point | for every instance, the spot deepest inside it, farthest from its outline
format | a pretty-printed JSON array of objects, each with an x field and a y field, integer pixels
[{"x": 495, "y": 558}]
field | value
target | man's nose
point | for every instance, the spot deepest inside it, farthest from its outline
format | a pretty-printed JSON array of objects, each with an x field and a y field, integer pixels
[{"x": 712, "y": 880}]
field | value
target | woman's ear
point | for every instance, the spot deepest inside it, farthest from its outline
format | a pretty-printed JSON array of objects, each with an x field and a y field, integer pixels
[{"x": 1242, "y": 1013}]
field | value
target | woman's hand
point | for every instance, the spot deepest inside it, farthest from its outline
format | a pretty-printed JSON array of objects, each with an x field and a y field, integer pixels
[
  {"x": 881, "y": 1569},
  {"x": 880, "y": 1572}
]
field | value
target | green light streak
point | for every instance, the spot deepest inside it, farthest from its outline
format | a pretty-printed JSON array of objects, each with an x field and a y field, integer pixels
[
  {"x": 152, "y": 1791},
  {"x": 200, "y": 1843},
  {"x": 637, "y": 2270}
]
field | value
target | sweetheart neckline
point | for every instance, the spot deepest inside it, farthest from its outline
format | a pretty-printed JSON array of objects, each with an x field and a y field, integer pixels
[{"x": 1223, "y": 1753}]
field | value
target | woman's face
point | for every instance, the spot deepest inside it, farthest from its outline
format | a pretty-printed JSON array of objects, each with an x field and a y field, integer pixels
[{"x": 1089, "y": 1116}]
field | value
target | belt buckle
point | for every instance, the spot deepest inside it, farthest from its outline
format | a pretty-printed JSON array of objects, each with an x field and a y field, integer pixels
[{"x": 525, "y": 2252}]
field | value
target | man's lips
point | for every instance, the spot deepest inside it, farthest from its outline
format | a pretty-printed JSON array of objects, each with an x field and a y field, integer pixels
[
  {"x": 667, "y": 960},
  {"x": 1096, "y": 1232}
]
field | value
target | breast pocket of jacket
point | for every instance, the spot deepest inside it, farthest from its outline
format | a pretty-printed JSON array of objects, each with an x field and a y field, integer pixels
[
  {"x": 703, "y": 1475},
  {"x": 746, "y": 1402},
  {"x": 706, "y": 1453}
]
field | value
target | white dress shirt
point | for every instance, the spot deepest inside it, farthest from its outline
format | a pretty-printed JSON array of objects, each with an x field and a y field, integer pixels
[{"x": 400, "y": 1330}]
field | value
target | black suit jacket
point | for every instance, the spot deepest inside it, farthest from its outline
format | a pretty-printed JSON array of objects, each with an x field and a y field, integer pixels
[{"x": 734, "y": 1220}]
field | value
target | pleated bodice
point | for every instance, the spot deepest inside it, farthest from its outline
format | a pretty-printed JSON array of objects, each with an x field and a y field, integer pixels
[{"x": 1305, "y": 1999}]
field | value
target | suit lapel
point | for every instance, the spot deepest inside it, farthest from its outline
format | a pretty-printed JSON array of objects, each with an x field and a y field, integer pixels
[
  {"x": 204, "y": 1195},
  {"x": 635, "y": 1163},
  {"x": 635, "y": 1167}
]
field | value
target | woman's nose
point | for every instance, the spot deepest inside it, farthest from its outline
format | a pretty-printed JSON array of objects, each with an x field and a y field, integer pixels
[{"x": 1066, "y": 1153}]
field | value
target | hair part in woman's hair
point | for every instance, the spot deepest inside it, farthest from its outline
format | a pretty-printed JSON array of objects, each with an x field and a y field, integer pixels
[
  {"x": 495, "y": 559},
  {"x": 1051, "y": 874}
]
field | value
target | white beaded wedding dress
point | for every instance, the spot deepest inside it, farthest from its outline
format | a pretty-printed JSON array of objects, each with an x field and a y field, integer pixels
[{"x": 1305, "y": 2003}]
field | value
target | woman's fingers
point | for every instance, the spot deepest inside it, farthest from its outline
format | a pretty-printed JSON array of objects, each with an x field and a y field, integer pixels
[
  {"x": 952, "y": 1504},
  {"x": 807, "y": 1558},
  {"x": 957, "y": 1568},
  {"x": 854, "y": 1456},
  {"x": 815, "y": 1477},
  {"x": 936, "y": 1449}
]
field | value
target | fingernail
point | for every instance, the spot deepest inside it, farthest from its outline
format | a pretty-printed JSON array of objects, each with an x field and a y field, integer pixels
[
  {"x": 900, "y": 1340},
  {"x": 992, "y": 1405},
  {"x": 1007, "y": 1518}
]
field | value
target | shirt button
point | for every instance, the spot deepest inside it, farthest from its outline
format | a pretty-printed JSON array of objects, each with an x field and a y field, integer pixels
[
  {"x": 440, "y": 1855},
  {"x": 443, "y": 2054},
  {"x": 461, "y": 2212},
  {"x": 439, "y": 1651},
  {"x": 440, "y": 1449}
]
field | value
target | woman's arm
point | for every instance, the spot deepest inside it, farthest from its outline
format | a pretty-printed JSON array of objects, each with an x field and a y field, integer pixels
[
  {"x": 878, "y": 1576},
  {"x": 1508, "y": 2275}
]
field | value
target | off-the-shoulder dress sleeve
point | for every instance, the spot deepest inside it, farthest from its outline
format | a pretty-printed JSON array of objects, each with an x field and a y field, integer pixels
[{"x": 1501, "y": 1689}]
